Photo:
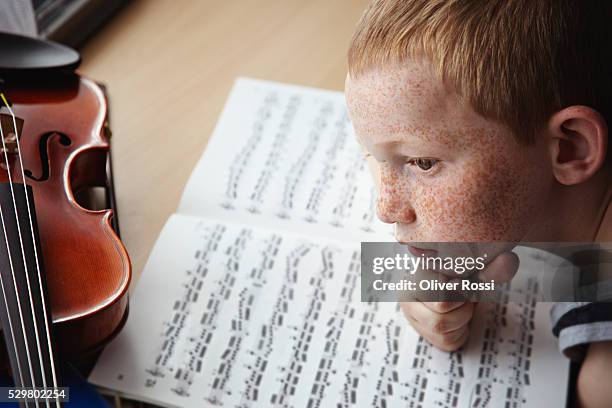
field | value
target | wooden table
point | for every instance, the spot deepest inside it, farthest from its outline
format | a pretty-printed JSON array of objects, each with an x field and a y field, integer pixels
[{"x": 169, "y": 65}]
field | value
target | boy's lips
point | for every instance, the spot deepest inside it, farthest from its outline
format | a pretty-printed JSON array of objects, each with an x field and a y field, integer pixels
[{"x": 421, "y": 251}]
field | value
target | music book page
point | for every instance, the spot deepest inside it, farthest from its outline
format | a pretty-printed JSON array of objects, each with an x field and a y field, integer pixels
[{"x": 251, "y": 295}]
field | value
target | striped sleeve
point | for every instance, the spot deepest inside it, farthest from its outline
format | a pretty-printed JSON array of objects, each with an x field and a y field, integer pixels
[{"x": 577, "y": 324}]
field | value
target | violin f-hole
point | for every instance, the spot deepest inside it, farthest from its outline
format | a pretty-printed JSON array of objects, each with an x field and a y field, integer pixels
[{"x": 44, "y": 154}]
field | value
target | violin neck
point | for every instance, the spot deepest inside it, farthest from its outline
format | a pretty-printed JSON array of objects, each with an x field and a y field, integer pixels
[{"x": 24, "y": 304}]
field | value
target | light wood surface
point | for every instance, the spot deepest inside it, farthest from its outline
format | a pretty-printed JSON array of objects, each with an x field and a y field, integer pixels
[{"x": 169, "y": 65}]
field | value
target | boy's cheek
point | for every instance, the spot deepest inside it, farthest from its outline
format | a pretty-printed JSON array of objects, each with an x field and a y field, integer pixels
[{"x": 477, "y": 206}]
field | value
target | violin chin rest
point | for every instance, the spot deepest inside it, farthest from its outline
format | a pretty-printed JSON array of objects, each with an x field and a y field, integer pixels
[{"x": 24, "y": 56}]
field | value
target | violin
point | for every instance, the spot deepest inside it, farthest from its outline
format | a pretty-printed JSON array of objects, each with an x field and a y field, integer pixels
[{"x": 64, "y": 272}]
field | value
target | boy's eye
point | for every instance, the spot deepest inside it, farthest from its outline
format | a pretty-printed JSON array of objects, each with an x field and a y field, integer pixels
[{"x": 423, "y": 163}]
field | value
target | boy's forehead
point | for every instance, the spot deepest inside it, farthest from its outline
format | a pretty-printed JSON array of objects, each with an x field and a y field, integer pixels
[{"x": 406, "y": 102}]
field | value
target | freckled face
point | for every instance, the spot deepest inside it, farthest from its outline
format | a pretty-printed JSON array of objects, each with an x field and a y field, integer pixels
[{"x": 444, "y": 172}]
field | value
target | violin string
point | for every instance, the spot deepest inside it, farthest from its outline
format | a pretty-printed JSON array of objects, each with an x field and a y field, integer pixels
[
  {"x": 10, "y": 179},
  {"x": 6, "y": 303},
  {"x": 39, "y": 275},
  {"x": 19, "y": 307},
  {"x": 40, "y": 285}
]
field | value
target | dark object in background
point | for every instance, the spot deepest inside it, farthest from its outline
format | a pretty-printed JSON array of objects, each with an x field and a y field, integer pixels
[{"x": 72, "y": 22}]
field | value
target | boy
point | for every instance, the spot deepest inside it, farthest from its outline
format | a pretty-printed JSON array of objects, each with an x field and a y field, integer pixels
[{"x": 487, "y": 121}]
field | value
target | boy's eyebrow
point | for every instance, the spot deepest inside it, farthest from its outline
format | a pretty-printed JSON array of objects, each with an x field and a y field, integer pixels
[
  {"x": 417, "y": 138},
  {"x": 380, "y": 151},
  {"x": 392, "y": 145},
  {"x": 389, "y": 144}
]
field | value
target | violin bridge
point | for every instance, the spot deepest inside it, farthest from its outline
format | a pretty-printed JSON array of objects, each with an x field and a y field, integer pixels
[{"x": 8, "y": 131}]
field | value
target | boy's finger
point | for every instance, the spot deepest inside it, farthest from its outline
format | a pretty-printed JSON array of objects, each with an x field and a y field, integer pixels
[
  {"x": 502, "y": 269},
  {"x": 442, "y": 323},
  {"x": 442, "y": 307},
  {"x": 434, "y": 296},
  {"x": 454, "y": 342},
  {"x": 447, "y": 341}
]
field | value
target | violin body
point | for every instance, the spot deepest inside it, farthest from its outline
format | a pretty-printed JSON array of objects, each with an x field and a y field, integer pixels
[{"x": 64, "y": 145}]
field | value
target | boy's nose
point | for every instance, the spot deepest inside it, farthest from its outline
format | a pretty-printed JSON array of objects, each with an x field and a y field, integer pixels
[{"x": 392, "y": 204}]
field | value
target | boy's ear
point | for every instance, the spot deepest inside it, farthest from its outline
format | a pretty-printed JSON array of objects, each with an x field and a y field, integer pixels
[{"x": 578, "y": 143}]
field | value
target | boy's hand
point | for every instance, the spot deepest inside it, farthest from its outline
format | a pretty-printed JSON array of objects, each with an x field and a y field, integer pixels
[{"x": 446, "y": 324}]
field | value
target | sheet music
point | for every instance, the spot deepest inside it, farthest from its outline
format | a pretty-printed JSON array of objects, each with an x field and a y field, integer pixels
[
  {"x": 251, "y": 295},
  {"x": 250, "y": 317},
  {"x": 285, "y": 156}
]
